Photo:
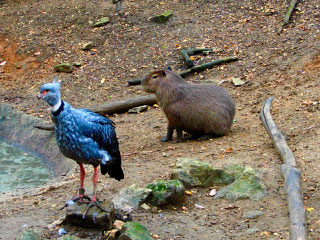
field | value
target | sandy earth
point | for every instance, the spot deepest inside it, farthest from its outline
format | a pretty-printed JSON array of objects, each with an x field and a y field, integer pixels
[{"x": 34, "y": 35}]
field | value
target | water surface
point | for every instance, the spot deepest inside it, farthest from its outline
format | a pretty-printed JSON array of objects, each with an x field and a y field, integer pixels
[{"x": 20, "y": 170}]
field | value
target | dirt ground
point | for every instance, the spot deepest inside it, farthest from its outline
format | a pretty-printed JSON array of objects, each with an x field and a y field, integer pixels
[{"x": 36, "y": 34}]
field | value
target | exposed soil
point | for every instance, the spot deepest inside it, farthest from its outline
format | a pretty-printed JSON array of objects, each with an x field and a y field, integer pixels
[{"x": 34, "y": 35}]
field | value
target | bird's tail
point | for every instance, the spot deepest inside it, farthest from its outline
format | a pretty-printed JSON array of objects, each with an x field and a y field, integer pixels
[{"x": 113, "y": 167}]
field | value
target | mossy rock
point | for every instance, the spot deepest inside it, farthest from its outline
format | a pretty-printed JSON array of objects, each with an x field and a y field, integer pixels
[
  {"x": 29, "y": 234},
  {"x": 194, "y": 173},
  {"x": 166, "y": 192},
  {"x": 162, "y": 18},
  {"x": 63, "y": 67},
  {"x": 246, "y": 185},
  {"x": 134, "y": 231},
  {"x": 69, "y": 237},
  {"x": 101, "y": 22}
]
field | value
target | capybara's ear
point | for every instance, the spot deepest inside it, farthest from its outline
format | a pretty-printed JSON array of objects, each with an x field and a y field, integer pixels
[
  {"x": 169, "y": 68},
  {"x": 163, "y": 73}
]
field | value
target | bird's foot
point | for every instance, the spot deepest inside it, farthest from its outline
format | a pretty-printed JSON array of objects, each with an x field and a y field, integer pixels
[
  {"x": 82, "y": 198},
  {"x": 93, "y": 203}
]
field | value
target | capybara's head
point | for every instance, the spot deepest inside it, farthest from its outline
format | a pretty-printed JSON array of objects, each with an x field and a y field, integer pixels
[
  {"x": 155, "y": 79},
  {"x": 152, "y": 81}
]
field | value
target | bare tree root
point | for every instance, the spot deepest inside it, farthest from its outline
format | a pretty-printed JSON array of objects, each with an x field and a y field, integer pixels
[{"x": 290, "y": 174}]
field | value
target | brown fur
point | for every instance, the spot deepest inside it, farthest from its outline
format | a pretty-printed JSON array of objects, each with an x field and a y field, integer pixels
[{"x": 200, "y": 109}]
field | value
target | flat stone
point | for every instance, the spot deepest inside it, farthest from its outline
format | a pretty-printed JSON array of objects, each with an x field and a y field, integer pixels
[
  {"x": 237, "y": 82},
  {"x": 252, "y": 214},
  {"x": 166, "y": 192},
  {"x": 134, "y": 231},
  {"x": 95, "y": 217},
  {"x": 87, "y": 46},
  {"x": 138, "y": 109},
  {"x": 246, "y": 185},
  {"x": 252, "y": 230},
  {"x": 130, "y": 198},
  {"x": 101, "y": 22},
  {"x": 194, "y": 173},
  {"x": 63, "y": 67}
]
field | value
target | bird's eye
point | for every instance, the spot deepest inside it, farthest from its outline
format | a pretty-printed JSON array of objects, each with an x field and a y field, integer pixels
[{"x": 154, "y": 76}]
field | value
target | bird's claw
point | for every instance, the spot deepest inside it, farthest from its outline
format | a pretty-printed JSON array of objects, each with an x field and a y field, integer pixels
[{"x": 90, "y": 205}]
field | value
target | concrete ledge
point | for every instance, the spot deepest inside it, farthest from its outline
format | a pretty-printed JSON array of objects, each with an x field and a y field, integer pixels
[{"x": 17, "y": 128}]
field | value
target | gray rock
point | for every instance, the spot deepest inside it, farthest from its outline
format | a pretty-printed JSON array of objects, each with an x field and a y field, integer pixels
[
  {"x": 252, "y": 214},
  {"x": 95, "y": 217},
  {"x": 134, "y": 231},
  {"x": 101, "y": 22},
  {"x": 194, "y": 173},
  {"x": 246, "y": 185},
  {"x": 63, "y": 67},
  {"x": 162, "y": 18},
  {"x": 30, "y": 234},
  {"x": 138, "y": 109},
  {"x": 130, "y": 198},
  {"x": 166, "y": 192}
]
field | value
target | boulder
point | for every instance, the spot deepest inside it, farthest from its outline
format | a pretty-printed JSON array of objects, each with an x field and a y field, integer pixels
[
  {"x": 194, "y": 173},
  {"x": 246, "y": 185},
  {"x": 166, "y": 192},
  {"x": 130, "y": 198},
  {"x": 134, "y": 231},
  {"x": 95, "y": 217},
  {"x": 63, "y": 67},
  {"x": 162, "y": 18}
]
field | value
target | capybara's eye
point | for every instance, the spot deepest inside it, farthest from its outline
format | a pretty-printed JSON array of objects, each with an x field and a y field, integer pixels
[{"x": 154, "y": 76}]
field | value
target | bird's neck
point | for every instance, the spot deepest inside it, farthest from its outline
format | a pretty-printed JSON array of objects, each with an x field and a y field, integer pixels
[{"x": 57, "y": 108}]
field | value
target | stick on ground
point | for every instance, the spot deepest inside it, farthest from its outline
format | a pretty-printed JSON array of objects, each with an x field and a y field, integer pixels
[
  {"x": 289, "y": 12},
  {"x": 290, "y": 174},
  {"x": 113, "y": 107}
]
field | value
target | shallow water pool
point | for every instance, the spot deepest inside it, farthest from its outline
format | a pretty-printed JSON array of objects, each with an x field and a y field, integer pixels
[{"x": 20, "y": 170}]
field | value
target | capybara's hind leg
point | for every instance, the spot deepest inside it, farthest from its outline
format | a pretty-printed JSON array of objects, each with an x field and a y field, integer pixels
[{"x": 205, "y": 137}]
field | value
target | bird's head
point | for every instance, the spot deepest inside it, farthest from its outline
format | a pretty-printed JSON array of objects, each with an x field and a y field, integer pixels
[{"x": 50, "y": 92}]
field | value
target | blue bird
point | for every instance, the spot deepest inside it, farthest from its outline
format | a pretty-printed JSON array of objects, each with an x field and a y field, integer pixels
[{"x": 84, "y": 136}]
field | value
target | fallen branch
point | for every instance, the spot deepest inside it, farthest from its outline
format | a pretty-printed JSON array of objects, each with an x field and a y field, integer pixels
[
  {"x": 289, "y": 12},
  {"x": 186, "y": 57},
  {"x": 113, "y": 107},
  {"x": 195, "y": 68},
  {"x": 290, "y": 174},
  {"x": 208, "y": 65},
  {"x": 194, "y": 51}
]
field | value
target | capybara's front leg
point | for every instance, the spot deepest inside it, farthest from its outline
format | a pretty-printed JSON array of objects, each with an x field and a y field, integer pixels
[{"x": 169, "y": 134}]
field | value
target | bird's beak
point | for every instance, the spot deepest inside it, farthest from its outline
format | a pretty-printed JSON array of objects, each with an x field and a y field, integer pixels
[{"x": 41, "y": 95}]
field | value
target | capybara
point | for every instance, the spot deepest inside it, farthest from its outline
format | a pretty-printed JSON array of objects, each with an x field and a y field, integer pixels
[{"x": 203, "y": 110}]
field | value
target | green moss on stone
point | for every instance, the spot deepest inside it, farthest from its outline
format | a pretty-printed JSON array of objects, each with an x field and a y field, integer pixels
[
  {"x": 162, "y": 18},
  {"x": 166, "y": 192},
  {"x": 63, "y": 67}
]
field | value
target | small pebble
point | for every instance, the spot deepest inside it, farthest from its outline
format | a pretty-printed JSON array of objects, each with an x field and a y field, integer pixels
[{"x": 61, "y": 232}]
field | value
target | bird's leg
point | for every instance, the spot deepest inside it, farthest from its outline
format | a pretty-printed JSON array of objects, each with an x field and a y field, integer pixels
[
  {"x": 94, "y": 201},
  {"x": 82, "y": 197}
]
